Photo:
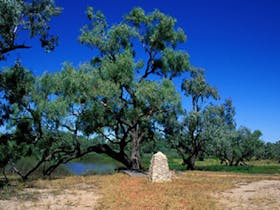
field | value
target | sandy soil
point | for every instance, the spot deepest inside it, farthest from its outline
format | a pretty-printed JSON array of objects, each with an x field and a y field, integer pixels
[
  {"x": 264, "y": 194},
  {"x": 43, "y": 199}
]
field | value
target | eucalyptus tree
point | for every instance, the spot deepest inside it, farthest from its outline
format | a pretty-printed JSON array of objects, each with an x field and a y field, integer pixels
[
  {"x": 29, "y": 122},
  {"x": 65, "y": 95},
  {"x": 18, "y": 19},
  {"x": 17, "y": 16},
  {"x": 134, "y": 67},
  {"x": 192, "y": 131},
  {"x": 34, "y": 118},
  {"x": 17, "y": 133},
  {"x": 235, "y": 146}
]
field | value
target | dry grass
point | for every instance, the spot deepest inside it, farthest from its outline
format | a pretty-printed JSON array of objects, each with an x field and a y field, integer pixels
[
  {"x": 188, "y": 190},
  {"x": 263, "y": 194},
  {"x": 65, "y": 193}
]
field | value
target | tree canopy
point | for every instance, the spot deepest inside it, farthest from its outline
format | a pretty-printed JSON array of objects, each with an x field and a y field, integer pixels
[
  {"x": 128, "y": 108},
  {"x": 18, "y": 17}
]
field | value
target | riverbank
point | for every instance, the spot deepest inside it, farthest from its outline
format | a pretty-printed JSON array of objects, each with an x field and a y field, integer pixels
[{"x": 188, "y": 190}]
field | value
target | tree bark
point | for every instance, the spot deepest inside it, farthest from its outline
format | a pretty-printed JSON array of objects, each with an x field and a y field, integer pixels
[
  {"x": 13, "y": 47},
  {"x": 135, "y": 155},
  {"x": 135, "y": 150},
  {"x": 5, "y": 176},
  {"x": 104, "y": 148},
  {"x": 190, "y": 162}
]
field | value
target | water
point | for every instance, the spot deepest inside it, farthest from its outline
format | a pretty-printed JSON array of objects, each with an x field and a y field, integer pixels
[{"x": 78, "y": 168}]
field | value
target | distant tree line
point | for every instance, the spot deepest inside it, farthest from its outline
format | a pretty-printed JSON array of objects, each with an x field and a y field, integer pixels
[
  {"x": 119, "y": 102},
  {"x": 269, "y": 150}
]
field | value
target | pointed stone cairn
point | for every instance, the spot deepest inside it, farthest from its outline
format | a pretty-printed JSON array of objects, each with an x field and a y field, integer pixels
[{"x": 159, "y": 170}]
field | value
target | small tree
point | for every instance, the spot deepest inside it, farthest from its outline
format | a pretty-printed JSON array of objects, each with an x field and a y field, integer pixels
[
  {"x": 192, "y": 134},
  {"x": 235, "y": 146}
]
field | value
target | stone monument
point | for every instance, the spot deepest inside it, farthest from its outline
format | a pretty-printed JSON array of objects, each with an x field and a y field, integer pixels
[{"x": 159, "y": 170}]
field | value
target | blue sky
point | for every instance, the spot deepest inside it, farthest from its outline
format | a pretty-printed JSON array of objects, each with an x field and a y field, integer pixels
[{"x": 237, "y": 42}]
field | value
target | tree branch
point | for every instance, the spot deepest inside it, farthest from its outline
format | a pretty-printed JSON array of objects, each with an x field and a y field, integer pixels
[
  {"x": 14, "y": 47},
  {"x": 148, "y": 69}
]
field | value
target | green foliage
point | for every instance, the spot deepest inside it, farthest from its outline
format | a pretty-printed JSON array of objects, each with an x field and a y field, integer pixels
[
  {"x": 253, "y": 167},
  {"x": 32, "y": 16},
  {"x": 121, "y": 103},
  {"x": 270, "y": 151},
  {"x": 20, "y": 115},
  {"x": 156, "y": 29},
  {"x": 235, "y": 146},
  {"x": 16, "y": 84},
  {"x": 128, "y": 105},
  {"x": 194, "y": 133},
  {"x": 30, "y": 117},
  {"x": 198, "y": 89},
  {"x": 277, "y": 151}
]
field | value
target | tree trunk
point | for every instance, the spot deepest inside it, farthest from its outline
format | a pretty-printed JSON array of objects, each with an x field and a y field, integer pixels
[
  {"x": 190, "y": 162},
  {"x": 135, "y": 155},
  {"x": 25, "y": 177},
  {"x": 231, "y": 162},
  {"x": 5, "y": 176},
  {"x": 106, "y": 149},
  {"x": 135, "y": 150}
]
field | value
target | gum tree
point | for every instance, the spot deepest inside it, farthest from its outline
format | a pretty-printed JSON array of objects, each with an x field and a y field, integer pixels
[
  {"x": 134, "y": 67},
  {"x": 17, "y": 19},
  {"x": 192, "y": 131},
  {"x": 235, "y": 146},
  {"x": 37, "y": 118},
  {"x": 16, "y": 140}
]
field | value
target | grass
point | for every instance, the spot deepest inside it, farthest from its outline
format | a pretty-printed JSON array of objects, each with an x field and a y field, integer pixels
[
  {"x": 252, "y": 167},
  {"x": 175, "y": 163},
  {"x": 138, "y": 193},
  {"x": 190, "y": 190},
  {"x": 211, "y": 164},
  {"x": 58, "y": 193},
  {"x": 15, "y": 189}
]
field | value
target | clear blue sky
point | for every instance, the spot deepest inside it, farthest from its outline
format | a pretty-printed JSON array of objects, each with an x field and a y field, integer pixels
[{"x": 237, "y": 42}]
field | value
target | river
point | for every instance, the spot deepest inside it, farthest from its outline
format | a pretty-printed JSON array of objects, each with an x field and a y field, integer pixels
[{"x": 79, "y": 168}]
